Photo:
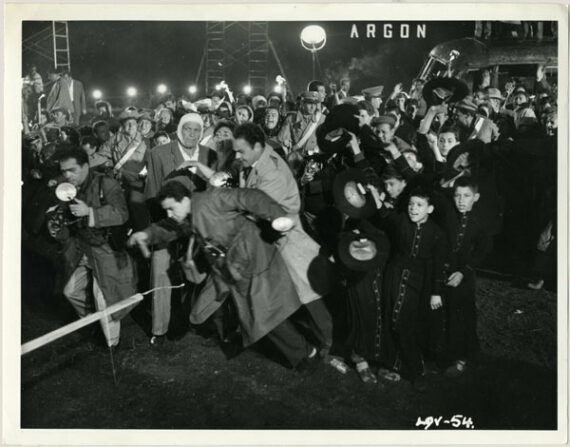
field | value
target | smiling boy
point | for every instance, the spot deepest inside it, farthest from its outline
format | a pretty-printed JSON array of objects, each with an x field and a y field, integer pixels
[{"x": 414, "y": 277}]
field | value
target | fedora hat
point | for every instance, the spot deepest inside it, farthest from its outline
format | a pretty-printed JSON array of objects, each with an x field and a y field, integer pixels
[
  {"x": 362, "y": 250},
  {"x": 440, "y": 90},
  {"x": 130, "y": 113},
  {"x": 349, "y": 194}
]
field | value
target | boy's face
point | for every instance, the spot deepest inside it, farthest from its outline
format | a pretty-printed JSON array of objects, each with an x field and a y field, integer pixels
[
  {"x": 242, "y": 116},
  {"x": 394, "y": 187},
  {"x": 464, "y": 198},
  {"x": 88, "y": 148},
  {"x": 419, "y": 209},
  {"x": 385, "y": 133},
  {"x": 413, "y": 162},
  {"x": 445, "y": 142},
  {"x": 162, "y": 140}
]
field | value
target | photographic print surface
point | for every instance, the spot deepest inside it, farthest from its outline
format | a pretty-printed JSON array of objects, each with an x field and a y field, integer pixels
[{"x": 290, "y": 224}]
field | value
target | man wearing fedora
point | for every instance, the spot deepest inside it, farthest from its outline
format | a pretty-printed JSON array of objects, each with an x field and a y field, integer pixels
[
  {"x": 496, "y": 100},
  {"x": 298, "y": 133},
  {"x": 127, "y": 151},
  {"x": 472, "y": 125}
]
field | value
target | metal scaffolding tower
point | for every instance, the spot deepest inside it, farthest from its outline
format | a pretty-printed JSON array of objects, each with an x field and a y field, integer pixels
[
  {"x": 215, "y": 57},
  {"x": 51, "y": 43},
  {"x": 236, "y": 49}
]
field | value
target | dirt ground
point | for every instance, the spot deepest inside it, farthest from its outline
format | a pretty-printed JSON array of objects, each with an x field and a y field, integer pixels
[{"x": 190, "y": 384}]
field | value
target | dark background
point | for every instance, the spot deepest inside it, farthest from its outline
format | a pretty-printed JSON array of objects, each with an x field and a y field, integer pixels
[{"x": 113, "y": 55}]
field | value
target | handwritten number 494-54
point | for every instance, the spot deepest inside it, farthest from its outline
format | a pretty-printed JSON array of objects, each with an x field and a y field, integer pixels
[{"x": 456, "y": 421}]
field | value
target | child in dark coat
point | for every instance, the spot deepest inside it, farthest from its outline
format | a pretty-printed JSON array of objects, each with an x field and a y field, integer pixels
[
  {"x": 413, "y": 281},
  {"x": 468, "y": 242}
]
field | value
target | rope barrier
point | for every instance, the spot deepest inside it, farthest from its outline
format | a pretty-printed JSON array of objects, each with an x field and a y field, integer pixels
[{"x": 85, "y": 321}]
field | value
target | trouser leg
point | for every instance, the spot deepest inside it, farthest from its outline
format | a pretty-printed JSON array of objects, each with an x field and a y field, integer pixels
[
  {"x": 161, "y": 298},
  {"x": 111, "y": 328},
  {"x": 320, "y": 323},
  {"x": 290, "y": 342},
  {"x": 75, "y": 291}
]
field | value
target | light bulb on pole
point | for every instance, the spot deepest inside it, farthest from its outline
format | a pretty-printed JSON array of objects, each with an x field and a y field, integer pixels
[
  {"x": 192, "y": 89},
  {"x": 131, "y": 92},
  {"x": 313, "y": 39},
  {"x": 97, "y": 94},
  {"x": 247, "y": 90},
  {"x": 161, "y": 89}
]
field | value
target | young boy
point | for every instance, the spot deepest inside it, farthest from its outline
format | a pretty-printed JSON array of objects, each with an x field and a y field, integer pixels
[
  {"x": 468, "y": 244},
  {"x": 413, "y": 278}
]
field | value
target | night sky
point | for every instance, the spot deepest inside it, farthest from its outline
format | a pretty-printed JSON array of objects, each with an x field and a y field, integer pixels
[{"x": 113, "y": 55}]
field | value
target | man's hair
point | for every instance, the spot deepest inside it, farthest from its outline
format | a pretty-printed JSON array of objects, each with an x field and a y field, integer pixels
[
  {"x": 99, "y": 124},
  {"x": 366, "y": 105},
  {"x": 314, "y": 86},
  {"x": 449, "y": 127},
  {"x": 161, "y": 133},
  {"x": 466, "y": 182},
  {"x": 250, "y": 132},
  {"x": 224, "y": 123},
  {"x": 90, "y": 140},
  {"x": 344, "y": 80},
  {"x": 78, "y": 154},
  {"x": 390, "y": 172},
  {"x": 422, "y": 192},
  {"x": 173, "y": 190}
]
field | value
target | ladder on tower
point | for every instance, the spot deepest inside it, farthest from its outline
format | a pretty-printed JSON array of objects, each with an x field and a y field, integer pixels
[
  {"x": 258, "y": 53},
  {"x": 61, "y": 58}
]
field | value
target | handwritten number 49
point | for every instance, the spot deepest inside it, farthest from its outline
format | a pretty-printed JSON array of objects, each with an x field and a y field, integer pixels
[{"x": 457, "y": 421}]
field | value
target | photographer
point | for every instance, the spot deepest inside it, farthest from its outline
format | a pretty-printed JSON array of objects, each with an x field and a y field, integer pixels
[{"x": 92, "y": 253}]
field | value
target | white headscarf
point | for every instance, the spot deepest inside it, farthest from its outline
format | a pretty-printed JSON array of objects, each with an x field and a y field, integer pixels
[{"x": 190, "y": 118}]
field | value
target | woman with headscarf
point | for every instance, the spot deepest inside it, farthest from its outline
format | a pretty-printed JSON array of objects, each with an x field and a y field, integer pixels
[
  {"x": 176, "y": 160},
  {"x": 244, "y": 114}
]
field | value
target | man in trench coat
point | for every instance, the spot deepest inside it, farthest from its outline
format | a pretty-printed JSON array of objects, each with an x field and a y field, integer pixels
[
  {"x": 265, "y": 170},
  {"x": 260, "y": 285}
]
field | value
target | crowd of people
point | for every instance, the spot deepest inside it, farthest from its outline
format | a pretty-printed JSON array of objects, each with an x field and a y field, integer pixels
[{"x": 364, "y": 215}]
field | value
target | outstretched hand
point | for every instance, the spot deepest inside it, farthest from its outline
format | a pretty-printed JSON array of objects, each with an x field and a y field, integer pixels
[{"x": 140, "y": 239}]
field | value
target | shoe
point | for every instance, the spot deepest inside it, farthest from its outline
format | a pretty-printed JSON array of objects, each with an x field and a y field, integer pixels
[
  {"x": 337, "y": 364},
  {"x": 456, "y": 370},
  {"x": 536, "y": 285},
  {"x": 157, "y": 340},
  {"x": 365, "y": 373},
  {"x": 390, "y": 376}
]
